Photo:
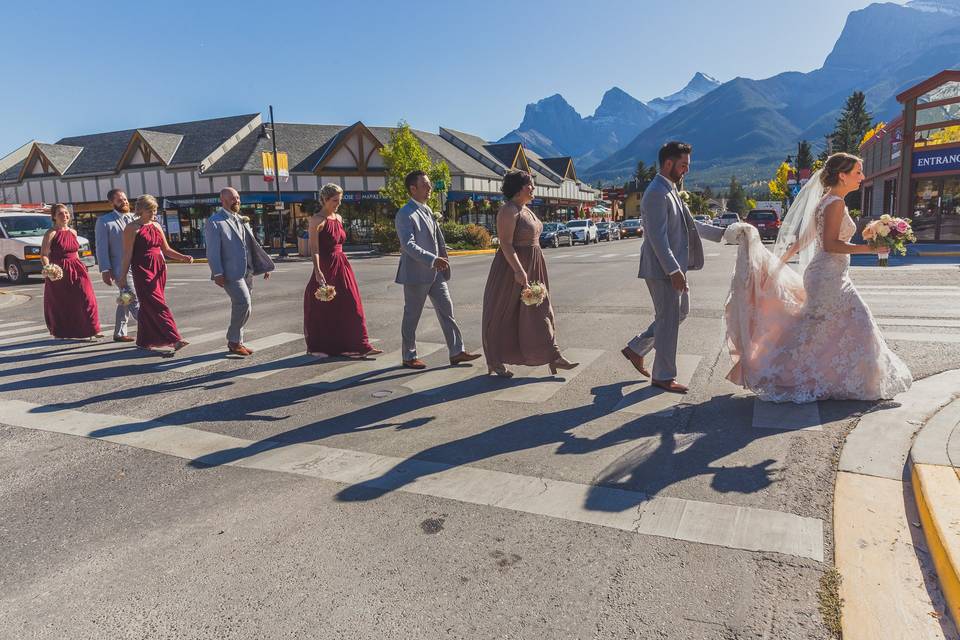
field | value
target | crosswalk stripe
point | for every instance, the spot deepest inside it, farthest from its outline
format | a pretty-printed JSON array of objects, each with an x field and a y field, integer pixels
[
  {"x": 919, "y": 322},
  {"x": 215, "y": 356},
  {"x": 584, "y": 255},
  {"x": 907, "y": 292},
  {"x": 431, "y": 380},
  {"x": 952, "y": 338},
  {"x": 897, "y": 287},
  {"x": 28, "y": 338},
  {"x": 18, "y": 323},
  {"x": 23, "y": 329},
  {"x": 610, "y": 255},
  {"x": 364, "y": 369},
  {"x": 649, "y": 399},
  {"x": 39, "y": 341},
  {"x": 786, "y": 416},
  {"x": 288, "y": 363},
  {"x": 544, "y": 389},
  {"x": 724, "y": 525}
]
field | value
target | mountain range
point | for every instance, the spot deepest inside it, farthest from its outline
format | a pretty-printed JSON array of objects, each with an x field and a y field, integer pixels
[
  {"x": 552, "y": 127},
  {"x": 745, "y": 126}
]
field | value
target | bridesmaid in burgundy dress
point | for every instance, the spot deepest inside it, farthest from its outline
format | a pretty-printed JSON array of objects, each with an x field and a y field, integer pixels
[
  {"x": 144, "y": 246},
  {"x": 69, "y": 304},
  {"x": 337, "y": 327}
]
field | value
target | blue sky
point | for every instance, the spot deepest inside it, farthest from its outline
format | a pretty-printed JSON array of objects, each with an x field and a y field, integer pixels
[{"x": 72, "y": 68}]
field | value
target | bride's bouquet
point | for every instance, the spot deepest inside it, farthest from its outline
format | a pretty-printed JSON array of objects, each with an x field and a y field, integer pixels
[
  {"x": 52, "y": 272},
  {"x": 889, "y": 234},
  {"x": 534, "y": 294},
  {"x": 326, "y": 293},
  {"x": 125, "y": 298}
]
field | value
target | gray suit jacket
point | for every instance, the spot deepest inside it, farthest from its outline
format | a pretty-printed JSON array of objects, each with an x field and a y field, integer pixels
[
  {"x": 231, "y": 245},
  {"x": 671, "y": 237},
  {"x": 108, "y": 234},
  {"x": 421, "y": 242}
]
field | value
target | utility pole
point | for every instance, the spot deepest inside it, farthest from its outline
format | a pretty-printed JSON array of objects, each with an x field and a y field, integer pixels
[{"x": 276, "y": 175}]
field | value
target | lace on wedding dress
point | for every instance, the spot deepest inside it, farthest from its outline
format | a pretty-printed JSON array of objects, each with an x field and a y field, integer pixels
[{"x": 799, "y": 339}]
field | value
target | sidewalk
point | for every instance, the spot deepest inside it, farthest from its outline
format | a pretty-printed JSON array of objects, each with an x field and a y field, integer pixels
[
  {"x": 917, "y": 254},
  {"x": 896, "y": 582}
]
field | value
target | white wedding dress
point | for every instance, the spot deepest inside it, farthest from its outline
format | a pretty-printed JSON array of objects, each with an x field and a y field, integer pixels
[{"x": 804, "y": 338}]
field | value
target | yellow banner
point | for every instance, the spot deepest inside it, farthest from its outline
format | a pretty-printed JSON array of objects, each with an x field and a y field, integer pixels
[
  {"x": 284, "y": 165},
  {"x": 267, "y": 159}
]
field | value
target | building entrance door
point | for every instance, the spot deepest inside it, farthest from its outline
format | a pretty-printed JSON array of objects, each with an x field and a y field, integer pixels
[{"x": 936, "y": 209}]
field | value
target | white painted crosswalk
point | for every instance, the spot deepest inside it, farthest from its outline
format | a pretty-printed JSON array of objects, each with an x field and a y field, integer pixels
[
  {"x": 212, "y": 357},
  {"x": 545, "y": 389},
  {"x": 786, "y": 416},
  {"x": 24, "y": 328},
  {"x": 649, "y": 400}
]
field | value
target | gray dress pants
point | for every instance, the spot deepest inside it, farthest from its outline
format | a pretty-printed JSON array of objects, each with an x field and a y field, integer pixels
[
  {"x": 414, "y": 297},
  {"x": 670, "y": 309},
  {"x": 241, "y": 306}
]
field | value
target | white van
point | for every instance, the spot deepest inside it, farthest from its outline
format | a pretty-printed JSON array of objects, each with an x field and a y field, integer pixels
[{"x": 21, "y": 234}]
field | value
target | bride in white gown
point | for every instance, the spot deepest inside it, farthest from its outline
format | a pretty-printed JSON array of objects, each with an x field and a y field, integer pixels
[{"x": 807, "y": 335}]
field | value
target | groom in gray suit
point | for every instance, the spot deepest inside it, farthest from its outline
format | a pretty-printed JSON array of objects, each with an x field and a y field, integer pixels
[
  {"x": 424, "y": 271},
  {"x": 109, "y": 236},
  {"x": 671, "y": 247},
  {"x": 235, "y": 257}
]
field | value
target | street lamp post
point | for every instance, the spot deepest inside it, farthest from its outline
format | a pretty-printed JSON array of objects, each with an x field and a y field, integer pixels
[{"x": 276, "y": 178}]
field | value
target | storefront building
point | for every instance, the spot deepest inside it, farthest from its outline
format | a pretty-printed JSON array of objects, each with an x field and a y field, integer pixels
[
  {"x": 186, "y": 165},
  {"x": 912, "y": 165}
]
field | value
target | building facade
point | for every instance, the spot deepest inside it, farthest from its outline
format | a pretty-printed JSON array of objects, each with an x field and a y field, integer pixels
[
  {"x": 912, "y": 165},
  {"x": 186, "y": 165}
]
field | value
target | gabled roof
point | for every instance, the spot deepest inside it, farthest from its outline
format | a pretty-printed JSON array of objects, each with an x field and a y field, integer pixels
[
  {"x": 165, "y": 145},
  {"x": 340, "y": 141},
  {"x": 510, "y": 154},
  {"x": 56, "y": 158},
  {"x": 929, "y": 84},
  {"x": 304, "y": 145},
  {"x": 562, "y": 166}
]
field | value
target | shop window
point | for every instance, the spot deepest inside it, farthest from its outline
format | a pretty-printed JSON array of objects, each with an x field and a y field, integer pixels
[
  {"x": 926, "y": 204},
  {"x": 940, "y": 113},
  {"x": 950, "y": 211},
  {"x": 938, "y": 136},
  {"x": 944, "y": 92},
  {"x": 890, "y": 197}
]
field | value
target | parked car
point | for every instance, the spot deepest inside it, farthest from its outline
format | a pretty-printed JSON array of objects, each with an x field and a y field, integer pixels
[
  {"x": 766, "y": 221},
  {"x": 702, "y": 218},
  {"x": 584, "y": 231},
  {"x": 608, "y": 231},
  {"x": 21, "y": 234},
  {"x": 726, "y": 219},
  {"x": 554, "y": 234},
  {"x": 632, "y": 228}
]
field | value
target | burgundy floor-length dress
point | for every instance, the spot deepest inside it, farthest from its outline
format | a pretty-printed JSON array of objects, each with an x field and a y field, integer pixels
[
  {"x": 514, "y": 333},
  {"x": 339, "y": 326},
  {"x": 155, "y": 325},
  {"x": 69, "y": 304}
]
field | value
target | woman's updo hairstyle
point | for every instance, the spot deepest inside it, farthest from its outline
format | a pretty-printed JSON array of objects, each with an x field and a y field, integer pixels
[
  {"x": 328, "y": 191},
  {"x": 54, "y": 208},
  {"x": 835, "y": 165},
  {"x": 514, "y": 181}
]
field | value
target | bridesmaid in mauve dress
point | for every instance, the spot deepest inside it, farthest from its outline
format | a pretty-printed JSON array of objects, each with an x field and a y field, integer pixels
[
  {"x": 69, "y": 304},
  {"x": 337, "y": 327},
  {"x": 514, "y": 333},
  {"x": 144, "y": 247}
]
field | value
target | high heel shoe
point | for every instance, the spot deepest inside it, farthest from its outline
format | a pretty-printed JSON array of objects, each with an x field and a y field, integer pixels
[
  {"x": 562, "y": 363},
  {"x": 501, "y": 371}
]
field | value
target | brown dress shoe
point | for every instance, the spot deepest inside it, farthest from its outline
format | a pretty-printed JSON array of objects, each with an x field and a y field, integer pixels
[
  {"x": 636, "y": 360},
  {"x": 462, "y": 357},
  {"x": 123, "y": 339},
  {"x": 238, "y": 349},
  {"x": 416, "y": 363},
  {"x": 671, "y": 386}
]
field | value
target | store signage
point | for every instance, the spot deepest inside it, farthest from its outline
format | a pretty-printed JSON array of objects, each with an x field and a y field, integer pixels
[{"x": 936, "y": 160}]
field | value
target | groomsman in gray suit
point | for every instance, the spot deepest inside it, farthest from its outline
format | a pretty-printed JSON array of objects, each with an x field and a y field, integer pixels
[
  {"x": 234, "y": 257},
  {"x": 109, "y": 236},
  {"x": 424, "y": 271},
  {"x": 671, "y": 247}
]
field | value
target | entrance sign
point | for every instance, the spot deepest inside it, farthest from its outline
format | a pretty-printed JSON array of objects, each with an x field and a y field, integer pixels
[{"x": 935, "y": 160}]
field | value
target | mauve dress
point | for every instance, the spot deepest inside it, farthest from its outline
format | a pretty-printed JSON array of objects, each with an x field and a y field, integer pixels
[
  {"x": 514, "y": 333},
  {"x": 69, "y": 304},
  {"x": 155, "y": 325},
  {"x": 338, "y": 326}
]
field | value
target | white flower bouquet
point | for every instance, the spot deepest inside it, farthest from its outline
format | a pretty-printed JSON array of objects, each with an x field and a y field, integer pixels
[
  {"x": 889, "y": 234},
  {"x": 125, "y": 298},
  {"x": 326, "y": 293},
  {"x": 534, "y": 294},
  {"x": 52, "y": 272}
]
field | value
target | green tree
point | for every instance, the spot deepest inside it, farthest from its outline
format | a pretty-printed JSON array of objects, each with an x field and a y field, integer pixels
[
  {"x": 644, "y": 175},
  {"x": 403, "y": 154},
  {"x": 697, "y": 203},
  {"x": 852, "y": 125},
  {"x": 804, "y": 156},
  {"x": 708, "y": 193},
  {"x": 737, "y": 197}
]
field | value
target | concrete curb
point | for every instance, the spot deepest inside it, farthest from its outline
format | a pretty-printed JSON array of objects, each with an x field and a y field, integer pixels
[
  {"x": 889, "y": 579},
  {"x": 936, "y": 488}
]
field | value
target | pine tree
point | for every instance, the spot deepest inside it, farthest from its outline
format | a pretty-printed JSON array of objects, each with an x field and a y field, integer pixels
[
  {"x": 853, "y": 124},
  {"x": 644, "y": 175},
  {"x": 804, "y": 156},
  {"x": 737, "y": 198}
]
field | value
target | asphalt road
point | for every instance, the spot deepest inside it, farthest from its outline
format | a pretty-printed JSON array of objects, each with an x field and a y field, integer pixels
[{"x": 283, "y": 497}]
